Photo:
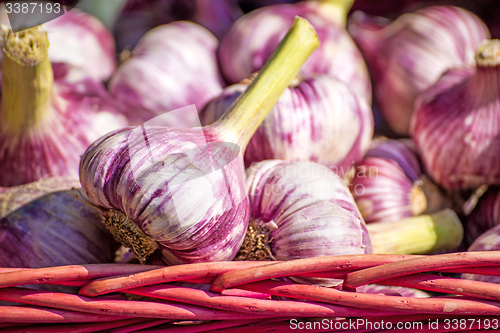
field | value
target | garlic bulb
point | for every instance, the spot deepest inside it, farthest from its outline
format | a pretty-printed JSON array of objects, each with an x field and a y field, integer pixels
[
  {"x": 408, "y": 55},
  {"x": 172, "y": 66},
  {"x": 485, "y": 215},
  {"x": 52, "y": 229},
  {"x": 49, "y": 114},
  {"x": 252, "y": 38},
  {"x": 317, "y": 119},
  {"x": 389, "y": 183},
  {"x": 182, "y": 190},
  {"x": 302, "y": 209},
  {"x": 456, "y": 124}
]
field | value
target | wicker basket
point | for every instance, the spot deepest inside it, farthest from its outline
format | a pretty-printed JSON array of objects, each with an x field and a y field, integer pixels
[{"x": 254, "y": 297}]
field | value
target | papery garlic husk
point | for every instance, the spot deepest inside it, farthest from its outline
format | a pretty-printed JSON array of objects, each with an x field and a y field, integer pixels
[
  {"x": 318, "y": 119},
  {"x": 408, "y": 55},
  {"x": 49, "y": 113},
  {"x": 172, "y": 66},
  {"x": 252, "y": 38},
  {"x": 52, "y": 228},
  {"x": 389, "y": 183},
  {"x": 301, "y": 210},
  {"x": 182, "y": 191},
  {"x": 484, "y": 216},
  {"x": 456, "y": 124},
  {"x": 488, "y": 241}
]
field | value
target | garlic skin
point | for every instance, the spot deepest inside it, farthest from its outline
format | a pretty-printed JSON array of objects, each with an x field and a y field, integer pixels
[
  {"x": 456, "y": 124},
  {"x": 252, "y": 38},
  {"x": 91, "y": 46},
  {"x": 139, "y": 16},
  {"x": 49, "y": 113},
  {"x": 484, "y": 216},
  {"x": 172, "y": 66},
  {"x": 387, "y": 184},
  {"x": 408, "y": 55},
  {"x": 161, "y": 184},
  {"x": 11, "y": 198},
  {"x": 53, "y": 229},
  {"x": 317, "y": 119},
  {"x": 306, "y": 209}
]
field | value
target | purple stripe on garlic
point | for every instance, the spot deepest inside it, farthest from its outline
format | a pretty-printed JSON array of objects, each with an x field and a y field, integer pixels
[{"x": 317, "y": 119}]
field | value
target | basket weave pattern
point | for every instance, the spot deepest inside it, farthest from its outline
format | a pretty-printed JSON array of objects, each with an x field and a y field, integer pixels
[{"x": 243, "y": 295}]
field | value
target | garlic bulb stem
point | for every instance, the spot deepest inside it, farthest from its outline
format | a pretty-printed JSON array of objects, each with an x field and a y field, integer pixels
[
  {"x": 337, "y": 9},
  {"x": 27, "y": 80},
  {"x": 244, "y": 116},
  {"x": 424, "y": 234},
  {"x": 488, "y": 53}
]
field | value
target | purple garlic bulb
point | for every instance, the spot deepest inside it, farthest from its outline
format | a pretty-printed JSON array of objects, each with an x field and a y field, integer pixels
[
  {"x": 408, "y": 55},
  {"x": 149, "y": 181},
  {"x": 387, "y": 183},
  {"x": 49, "y": 113},
  {"x": 252, "y": 38},
  {"x": 456, "y": 124},
  {"x": 317, "y": 119},
  {"x": 172, "y": 66},
  {"x": 300, "y": 210},
  {"x": 51, "y": 227}
]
